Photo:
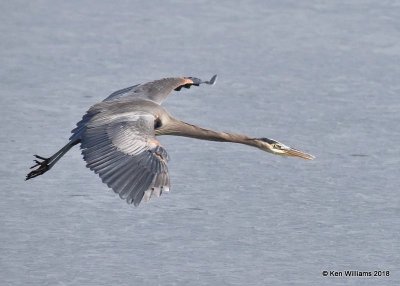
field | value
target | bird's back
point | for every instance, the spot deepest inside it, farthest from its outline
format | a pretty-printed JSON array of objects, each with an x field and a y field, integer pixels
[{"x": 106, "y": 111}]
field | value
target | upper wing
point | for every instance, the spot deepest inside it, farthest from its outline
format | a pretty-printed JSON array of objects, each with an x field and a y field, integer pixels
[
  {"x": 158, "y": 90},
  {"x": 124, "y": 152}
]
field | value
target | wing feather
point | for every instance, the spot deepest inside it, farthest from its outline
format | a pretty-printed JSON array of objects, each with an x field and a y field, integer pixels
[
  {"x": 127, "y": 183},
  {"x": 123, "y": 151},
  {"x": 158, "y": 90},
  {"x": 128, "y": 187}
]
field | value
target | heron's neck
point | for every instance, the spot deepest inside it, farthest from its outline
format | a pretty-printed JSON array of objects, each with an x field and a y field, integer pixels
[{"x": 180, "y": 128}]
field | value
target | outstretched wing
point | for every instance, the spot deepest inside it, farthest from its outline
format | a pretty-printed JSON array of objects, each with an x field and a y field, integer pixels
[
  {"x": 158, "y": 90},
  {"x": 124, "y": 152}
]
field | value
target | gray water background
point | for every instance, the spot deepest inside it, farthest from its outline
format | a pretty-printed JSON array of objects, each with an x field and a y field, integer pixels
[{"x": 321, "y": 76}]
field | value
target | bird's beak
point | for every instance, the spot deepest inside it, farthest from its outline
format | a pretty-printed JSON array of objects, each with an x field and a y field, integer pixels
[
  {"x": 291, "y": 152},
  {"x": 278, "y": 148}
]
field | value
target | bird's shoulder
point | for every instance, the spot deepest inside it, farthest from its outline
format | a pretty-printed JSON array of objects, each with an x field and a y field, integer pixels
[
  {"x": 123, "y": 106},
  {"x": 104, "y": 113}
]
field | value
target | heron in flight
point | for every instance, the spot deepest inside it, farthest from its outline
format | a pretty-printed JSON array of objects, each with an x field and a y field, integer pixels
[{"x": 118, "y": 139}]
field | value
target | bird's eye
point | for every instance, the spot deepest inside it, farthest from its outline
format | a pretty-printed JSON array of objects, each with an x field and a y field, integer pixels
[{"x": 157, "y": 123}]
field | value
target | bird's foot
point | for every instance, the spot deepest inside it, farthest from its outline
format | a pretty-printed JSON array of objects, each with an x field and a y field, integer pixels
[{"x": 42, "y": 167}]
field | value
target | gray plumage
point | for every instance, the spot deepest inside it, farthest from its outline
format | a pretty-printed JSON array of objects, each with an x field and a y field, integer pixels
[
  {"x": 126, "y": 145},
  {"x": 118, "y": 139}
]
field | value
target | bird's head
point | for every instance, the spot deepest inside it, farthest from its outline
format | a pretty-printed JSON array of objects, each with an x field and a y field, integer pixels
[{"x": 277, "y": 148}]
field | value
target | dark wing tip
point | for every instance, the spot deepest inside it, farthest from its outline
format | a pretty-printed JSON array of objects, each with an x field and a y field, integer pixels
[
  {"x": 213, "y": 80},
  {"x": 196, "y": 82},
  {"x": 267, "y": 140}
]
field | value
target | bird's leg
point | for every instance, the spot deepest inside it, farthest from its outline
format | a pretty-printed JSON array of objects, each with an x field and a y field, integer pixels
[
  {"x": 47, "y": 163},
  {"x": 43, "y": 167}
]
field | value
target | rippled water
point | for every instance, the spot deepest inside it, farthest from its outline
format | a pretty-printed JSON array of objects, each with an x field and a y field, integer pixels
[{"x": 321, "y": 77}]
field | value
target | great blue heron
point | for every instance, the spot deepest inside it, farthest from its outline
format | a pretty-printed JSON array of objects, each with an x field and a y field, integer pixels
[{"x": 118, "y": 139}]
